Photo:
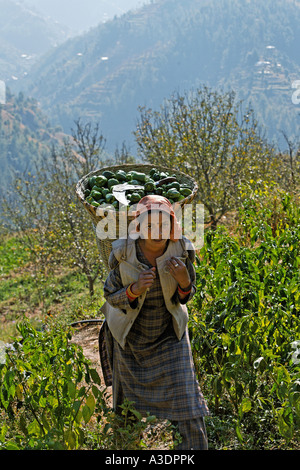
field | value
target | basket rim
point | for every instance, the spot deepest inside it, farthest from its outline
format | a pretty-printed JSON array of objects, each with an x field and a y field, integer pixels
[{"x": 130, "y": 166}]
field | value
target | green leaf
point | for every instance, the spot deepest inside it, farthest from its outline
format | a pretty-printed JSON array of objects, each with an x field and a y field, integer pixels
[
  {"x": 3, "y": 431},
  {"x": 246, "y": 405},
  {"x": 90, "y": 402},
  {"x": 34, "y": 428},
  {"x": 88, "y": 408},
  {"x": 70, "y": 439},
  {"x": 71, "y": 389},
  {"x": 95, "y": 376},
  {"x": 238, "y": 433},
  {"x": 10, "y": 445},
  {"x": 137, "y": 414}
]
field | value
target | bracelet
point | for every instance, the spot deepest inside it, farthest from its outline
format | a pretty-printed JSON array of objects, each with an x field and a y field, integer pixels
[
  {"x": 131, "y": 299},
  {"x": 130, "y": 294},
  {"x": 185, "y": 292}
]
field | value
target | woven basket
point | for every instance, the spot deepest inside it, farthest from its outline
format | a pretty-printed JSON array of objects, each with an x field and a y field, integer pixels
[{"x": 104, "y": 245}]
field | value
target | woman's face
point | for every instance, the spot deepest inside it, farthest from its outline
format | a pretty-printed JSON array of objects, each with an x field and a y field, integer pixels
[{"x": 155, "y": 226}]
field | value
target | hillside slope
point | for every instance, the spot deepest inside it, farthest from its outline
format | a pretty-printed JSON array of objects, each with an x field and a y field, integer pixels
[
  {"x": 25, "y": 137},
  {"x": 143, "y": 56},
  {"x": 24, "y": 36},
  {"x": 81, "y": 16}
]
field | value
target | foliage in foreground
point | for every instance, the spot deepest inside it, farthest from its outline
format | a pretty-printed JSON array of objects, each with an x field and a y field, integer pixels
[
  {"x": 244, "y": 327},
  {"x": 245, "y": 324},
  {"x": 51, "y": 398}
]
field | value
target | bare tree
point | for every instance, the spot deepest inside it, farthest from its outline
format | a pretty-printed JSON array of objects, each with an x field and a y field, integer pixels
[
  {"x": 44, "y": 210},
  {"x": 205, "y": 134}
]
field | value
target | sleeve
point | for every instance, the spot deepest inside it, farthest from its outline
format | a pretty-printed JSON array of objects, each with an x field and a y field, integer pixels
[{"x": 114, "y": 291}]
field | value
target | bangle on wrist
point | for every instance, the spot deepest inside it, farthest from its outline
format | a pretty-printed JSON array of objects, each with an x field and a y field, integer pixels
[
  {"x": 185, "y": 291},
  {"x": 130, "y": 294}
]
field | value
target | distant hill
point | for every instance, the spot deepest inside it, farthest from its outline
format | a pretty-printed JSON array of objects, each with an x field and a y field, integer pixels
[
  {"x": 140, "y": 58},
  {"x": 25, "y": 137},
  {"x": 24, "y": 36},
  {"x": 80, "y": 16}
]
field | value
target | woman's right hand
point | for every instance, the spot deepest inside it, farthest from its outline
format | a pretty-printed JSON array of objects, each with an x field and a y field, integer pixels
[{"x": 144, "y": 282}]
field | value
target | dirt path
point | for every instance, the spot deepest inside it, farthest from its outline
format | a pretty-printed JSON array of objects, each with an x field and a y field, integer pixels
[{"x": 86, "y": 335}]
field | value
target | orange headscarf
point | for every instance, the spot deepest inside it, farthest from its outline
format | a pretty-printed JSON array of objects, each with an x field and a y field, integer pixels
[{"x": 160, "y": 203}]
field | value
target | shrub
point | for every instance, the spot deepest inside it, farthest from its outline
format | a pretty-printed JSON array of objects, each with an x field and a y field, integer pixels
[
  {"x": 245, "y": 324},
  {"x": 51, "y": 398},
  {"x": 48, "y": 392}
]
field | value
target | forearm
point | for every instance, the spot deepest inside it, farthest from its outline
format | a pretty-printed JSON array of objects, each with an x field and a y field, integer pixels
[
  {"x": 115, "y": 292},
  {"x": 117, "y": 299}
]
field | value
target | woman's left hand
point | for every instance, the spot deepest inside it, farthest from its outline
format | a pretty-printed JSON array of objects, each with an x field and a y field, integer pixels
[{"x": 178, "y": 270}]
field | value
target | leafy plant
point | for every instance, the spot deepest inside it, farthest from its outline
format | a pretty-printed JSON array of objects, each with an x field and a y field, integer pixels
[
  {"x": 48, "y": 391},
  {"x": 123, "y": 430},
  {"x": 51, "y": 398},
  {"x": 245, "y": 324}
]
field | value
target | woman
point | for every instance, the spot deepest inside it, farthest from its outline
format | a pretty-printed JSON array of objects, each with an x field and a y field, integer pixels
[{"x": 145, "y": 334}]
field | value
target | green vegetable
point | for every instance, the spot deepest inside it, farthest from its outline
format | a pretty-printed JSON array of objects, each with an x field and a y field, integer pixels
[
  {"x": 111, "y": 182},
  {"x": 135, "y": 175},
  {"x": 95, "y": 204},
  {"x": 99, "y": 187},
  {"x": 108, "y": 174},
  {"x": 141, "y": 192},
  {"x": 175, "y": 185},
  {"x": 149, "y": 186},
  {"x": 135, "y": 197},
  {"x": 96, "y": 195},
  {"x": 185, "y": 191},
  {"x": 105, "y": 191},
  {"x": 109, "y": 198},
  {"x": 89, "y": 199},
  {"x": 121, "y": 175},
  {"x": 92, "y": 181},
  {"x": 156, "y": 176},
  {"x": 100, "y": 181},
  {"x": 173, "y": 194},
  {"x": 128, "y": 175},
  {"x": 95, "y": 188}
]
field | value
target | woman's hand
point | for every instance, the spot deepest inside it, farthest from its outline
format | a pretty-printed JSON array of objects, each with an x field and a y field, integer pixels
[
  {"x": 144, "y": 282},
  {"x": 179, "y": 271}
]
